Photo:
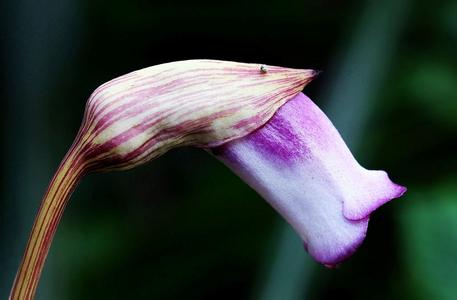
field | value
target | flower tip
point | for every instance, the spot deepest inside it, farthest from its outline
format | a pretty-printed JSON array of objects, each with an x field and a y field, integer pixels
[
  {"x": 317, "y": 73},
  {"x": 302, "y": 77},
  {"x": 401, "y": 190},
  {"x": 309, "y": 75},
  {"x": 376, "y": 190}
]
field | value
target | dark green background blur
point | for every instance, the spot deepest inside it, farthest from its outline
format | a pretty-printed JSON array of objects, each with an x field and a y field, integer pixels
[{"x": 184, "y": 226}]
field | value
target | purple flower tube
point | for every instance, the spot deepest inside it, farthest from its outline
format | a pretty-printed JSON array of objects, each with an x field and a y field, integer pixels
[{"x": 299, "y": 163}]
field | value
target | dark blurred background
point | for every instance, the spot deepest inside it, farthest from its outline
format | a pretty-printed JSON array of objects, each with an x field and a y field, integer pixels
[{"x": 184, "y": 226}]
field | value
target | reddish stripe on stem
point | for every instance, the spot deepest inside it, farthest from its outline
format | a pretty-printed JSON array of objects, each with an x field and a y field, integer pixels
[{"x": 62, "y": 185}]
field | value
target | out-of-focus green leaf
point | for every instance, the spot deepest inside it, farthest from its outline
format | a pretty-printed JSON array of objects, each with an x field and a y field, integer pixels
[
  {"x": 429, "y": 238},
  {"x": 433, "y": 86},
  {"x": 449, "y": 19}
]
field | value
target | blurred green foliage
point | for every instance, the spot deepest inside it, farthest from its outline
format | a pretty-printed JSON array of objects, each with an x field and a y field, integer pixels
[
  {"x": 184, "y": 226},
  {"x": 429, "y": 241},
  {"x": 432, "y": 86}
]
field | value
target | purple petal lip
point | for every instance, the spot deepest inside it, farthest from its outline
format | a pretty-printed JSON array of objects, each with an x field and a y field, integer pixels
[
  {"x": 396, "y": 192},
  {"x": 343, "y": 253},
  {"x": 299, "y": 163}
]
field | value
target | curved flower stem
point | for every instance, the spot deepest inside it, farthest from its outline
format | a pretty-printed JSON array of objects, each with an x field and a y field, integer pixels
[
  {"x": 139, "y": 116},
  {"x": 66, "y": 178}
]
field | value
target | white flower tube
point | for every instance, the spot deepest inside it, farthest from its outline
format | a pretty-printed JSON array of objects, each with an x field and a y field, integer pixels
[{"x": 299, "y": 163}]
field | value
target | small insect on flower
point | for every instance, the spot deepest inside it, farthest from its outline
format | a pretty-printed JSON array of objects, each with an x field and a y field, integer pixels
[{"x": 253, "y": 118}]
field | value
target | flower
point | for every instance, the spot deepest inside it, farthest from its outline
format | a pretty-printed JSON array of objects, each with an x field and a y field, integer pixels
[
  {"x": 299, "y": 163},
  {"x": 294, "y": 158}
]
